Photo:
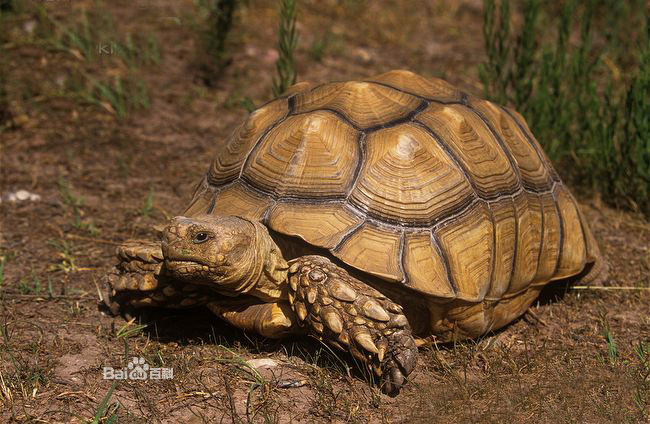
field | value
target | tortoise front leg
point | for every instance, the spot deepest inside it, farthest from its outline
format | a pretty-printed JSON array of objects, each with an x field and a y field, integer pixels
[
  {"x": 139, "y": 280},
  {"x": 352, "y": 316}
]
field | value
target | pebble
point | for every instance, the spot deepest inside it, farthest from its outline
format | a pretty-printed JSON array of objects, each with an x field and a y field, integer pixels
[
  {"x": 262, "y": 363},
  {"x": 21, "y": 196}
]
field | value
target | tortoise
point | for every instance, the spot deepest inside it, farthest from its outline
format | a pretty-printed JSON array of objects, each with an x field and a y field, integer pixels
[{"x": 377, "y": 215}]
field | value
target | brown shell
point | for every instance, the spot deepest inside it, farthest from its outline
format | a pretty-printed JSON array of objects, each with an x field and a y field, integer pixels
[{"x": 408, "y": 179}]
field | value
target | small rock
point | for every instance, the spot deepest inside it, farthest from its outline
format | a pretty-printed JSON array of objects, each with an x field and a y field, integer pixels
[
  {"x": 23, "y": 195},
  {"x": 291, "y": 384},
  {"x": 262, "y": 363},
  {"x": 363, "y": 55},
  {"x": 29, "y": 26}
]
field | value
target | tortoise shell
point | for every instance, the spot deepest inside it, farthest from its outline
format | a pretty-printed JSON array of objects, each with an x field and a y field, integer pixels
[{"x": 408, "y": 179}]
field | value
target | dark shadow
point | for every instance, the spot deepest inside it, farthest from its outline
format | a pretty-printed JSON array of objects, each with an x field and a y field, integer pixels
[
  {"x": 557, "y": 290},
  {"x": 201, "y": 326},
  {"x": 197, "y": 326}
]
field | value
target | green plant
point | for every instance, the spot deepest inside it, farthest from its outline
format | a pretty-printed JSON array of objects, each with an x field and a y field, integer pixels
[
  {"x": 107, "y": 413},
  {"x": 5, "y": 113},
  {"x": 287, "y": 41},
  {"x": 130, "y": 329},
  {"x": 30, "y": 370},
  {"x": 79, "y": 37},
  {"x": 7, "y": 6},
  {"x": 69, "y": 198},
  {"x": 637, "y": 130},
  {"x": 119, "y": 96},
  {"x": 3, "y": 261},
  {"x": 592, "y": 123},
  {"x": 93, "y": 38},
  {"x": 86, "y": 225},
  {"x": 134, "y": 51},
  {"x": 75, "y": 203},
  {"x": 218, "y": 25},
  {"x": 642, "y": 394},
  {"x": 236, "y": 99},
  {"x": 319, "y": 46},
  {"x": 612, "y": 349},
  {"x": 148, "y": 204},
  {"x": 65, "y": 250},
  {"x": 252, "y": 376},
  {"x": 25, "y": 288}
]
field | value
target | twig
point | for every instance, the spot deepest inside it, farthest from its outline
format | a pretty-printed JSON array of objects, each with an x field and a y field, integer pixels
[
  {"x": 608, "y": 288},
  {"x": 533, "y": 315},
  {"x": 66, "y": 394},
  {"x": 99, "y": 292},
  {"x": 44, "y": 298}
]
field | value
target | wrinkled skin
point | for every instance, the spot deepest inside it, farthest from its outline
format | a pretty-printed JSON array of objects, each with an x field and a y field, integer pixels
[{"x": 232, "y": 266}]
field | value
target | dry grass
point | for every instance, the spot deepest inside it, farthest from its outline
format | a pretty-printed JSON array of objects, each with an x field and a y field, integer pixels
[{"x": 582, "y": 356}]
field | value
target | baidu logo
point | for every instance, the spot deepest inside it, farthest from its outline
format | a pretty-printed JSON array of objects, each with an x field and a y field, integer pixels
[{"x": 138, "y": 369}]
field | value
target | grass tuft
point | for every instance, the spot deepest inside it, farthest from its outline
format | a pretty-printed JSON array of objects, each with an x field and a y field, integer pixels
[
  {"x": 75, "y": 204},
  {"x": 130, "y": 329},
  {"x": 5, "y": 112},
  {"x": 612, "y": 349},
  {"x": 583, "y": 88},
  {"x": 92, "y": 40},
  {"x": 214, "y": 36},
  {"x": 106, "y": 413},
  {"x": 148, "y": 204},
  {"x": 119, "y": 96},
  {"x": 287, "y": 41},
  {"x": 65, "y": 251}
]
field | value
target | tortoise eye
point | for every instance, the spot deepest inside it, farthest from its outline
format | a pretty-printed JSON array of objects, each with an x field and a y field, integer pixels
[{"x": 200, "y": 237}]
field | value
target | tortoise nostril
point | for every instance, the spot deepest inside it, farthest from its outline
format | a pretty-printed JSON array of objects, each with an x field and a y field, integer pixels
[{"x": 170, "y": 235}]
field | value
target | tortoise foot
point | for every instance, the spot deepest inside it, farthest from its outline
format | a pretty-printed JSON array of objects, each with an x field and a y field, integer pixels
[
  {"x": 136, "y": 280},
  {"x": 352, "y": 316}
]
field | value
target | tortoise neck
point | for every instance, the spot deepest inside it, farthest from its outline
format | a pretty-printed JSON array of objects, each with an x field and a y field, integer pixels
[{"x": 271, "y": 284}]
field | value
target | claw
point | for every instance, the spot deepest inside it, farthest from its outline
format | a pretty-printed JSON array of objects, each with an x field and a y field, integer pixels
[
  {"x": 293, "y": 283},
  {"x": 373, "y": 310},
  {"x": 343, "y": 292},
  {"x": 399, "y": 321},
  {"x": 333, "y": 322},
  {"x": 381, "y": 349},
  {"x": 364, "y": 340},
  {"x": 311, "y": 295},
  {"x": 300, "y": 310},
  {"x": 294, "y": 267}
]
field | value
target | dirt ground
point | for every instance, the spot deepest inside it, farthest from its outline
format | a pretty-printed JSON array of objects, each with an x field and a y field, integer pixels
[{"x": 581, "y": 355}]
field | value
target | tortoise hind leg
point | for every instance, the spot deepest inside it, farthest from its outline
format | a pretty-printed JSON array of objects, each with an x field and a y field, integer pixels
[
  {"x": 352, "y": 316},
  {"x": 272, "y": 320}
]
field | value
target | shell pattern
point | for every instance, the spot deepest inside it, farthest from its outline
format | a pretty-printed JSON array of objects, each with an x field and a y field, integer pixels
[{"x": 408, "y": 179}]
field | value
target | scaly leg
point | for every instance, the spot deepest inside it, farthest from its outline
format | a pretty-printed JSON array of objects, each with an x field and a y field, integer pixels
[
  {"x": 353, "y": 316},
  {"x": 139, "y": 280}
]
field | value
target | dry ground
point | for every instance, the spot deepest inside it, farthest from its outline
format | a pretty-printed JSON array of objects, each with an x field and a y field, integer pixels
[{"x": 581, "y": 356}]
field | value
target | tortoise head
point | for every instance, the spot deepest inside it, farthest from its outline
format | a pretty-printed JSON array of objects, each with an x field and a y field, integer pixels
[{"x": 230, "y": 254}]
